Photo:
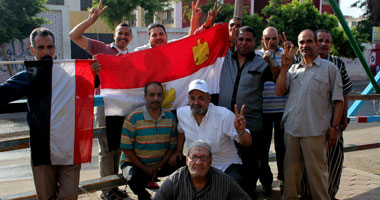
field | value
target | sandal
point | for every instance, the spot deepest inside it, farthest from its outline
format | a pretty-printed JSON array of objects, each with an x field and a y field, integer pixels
[
  {"x": 111, "y": 195},
  {"x": 152, "y": 185},
  {"x": 120, "y": 193}
]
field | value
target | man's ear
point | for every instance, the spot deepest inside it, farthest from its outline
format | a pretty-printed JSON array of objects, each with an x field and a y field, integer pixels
[{"x": 31, "y": 49}]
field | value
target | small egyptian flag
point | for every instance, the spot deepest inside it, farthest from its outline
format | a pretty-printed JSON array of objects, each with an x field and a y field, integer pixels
[{"x": 61, "y": 104}]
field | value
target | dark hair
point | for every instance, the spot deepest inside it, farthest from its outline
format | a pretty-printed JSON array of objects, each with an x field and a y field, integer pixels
[
  {"x": 41, "y": 32},
  {"x": 152, "y": 83},
  {"x": 156, "y": 25},
  {"x": 322, "y": 31},
  {"x": 247, "y": 29},
  {"x": 311, "y": 31},
  {"x": 124, "y": 25},
  {"x": 238, "y": 18}
]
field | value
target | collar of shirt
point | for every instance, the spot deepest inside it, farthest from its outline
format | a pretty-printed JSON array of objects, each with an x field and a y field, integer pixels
[
  {"x": 251, "y": 56},
  {"x": 316, "y": 62},
  {"x": 117, "y": 48},
  {"x": 147, "y": 115}
]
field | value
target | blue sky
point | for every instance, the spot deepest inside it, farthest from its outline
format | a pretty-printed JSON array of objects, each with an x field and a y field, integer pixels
[{"x": 347, "y": 10}]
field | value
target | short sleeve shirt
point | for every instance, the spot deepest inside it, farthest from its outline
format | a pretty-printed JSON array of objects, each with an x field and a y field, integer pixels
[
  {"x": 149, "y": 138},
  {"x": 312, "y": 92},
  {"x": 244, "y": 86},
  {"x": 217, "y": 129}
]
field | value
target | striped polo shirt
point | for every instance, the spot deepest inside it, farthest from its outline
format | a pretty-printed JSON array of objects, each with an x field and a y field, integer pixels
[
  {"x": 149, "y": 138},
  {"x": 271, "y": 102}
]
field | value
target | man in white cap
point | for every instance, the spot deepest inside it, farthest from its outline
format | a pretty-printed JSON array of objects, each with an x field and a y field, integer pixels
[
  {"x": 199, "y": 180},
  {"x": 216, "y": 125}
]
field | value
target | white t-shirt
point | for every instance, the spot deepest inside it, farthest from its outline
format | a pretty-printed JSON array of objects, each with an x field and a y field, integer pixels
[{"x": 217, "y": 129}]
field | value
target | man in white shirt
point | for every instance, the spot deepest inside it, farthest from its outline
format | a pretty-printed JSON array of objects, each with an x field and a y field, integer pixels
[{"x": 215, "y": 125}]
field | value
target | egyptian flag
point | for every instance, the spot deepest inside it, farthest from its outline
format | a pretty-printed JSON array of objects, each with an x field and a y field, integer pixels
[
  {"x": 60, "y": 117},
  {"x": 175, "y": 65}
]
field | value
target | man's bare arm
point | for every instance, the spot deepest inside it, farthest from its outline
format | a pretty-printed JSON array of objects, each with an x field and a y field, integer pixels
[{"x": 77, "y": 33}]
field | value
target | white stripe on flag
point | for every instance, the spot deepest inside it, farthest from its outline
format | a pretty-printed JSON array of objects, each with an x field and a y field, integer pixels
[
  {"x": 119, "y": 102},
  {"x": 62, "y": 119}
]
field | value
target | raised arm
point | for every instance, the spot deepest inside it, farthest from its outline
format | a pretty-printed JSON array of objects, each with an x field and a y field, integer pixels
[
  {"x": 240, "y": 123},
  {"x": 77, "y": 33}
]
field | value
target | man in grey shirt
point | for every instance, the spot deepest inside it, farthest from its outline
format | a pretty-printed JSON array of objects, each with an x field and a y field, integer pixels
[
  {"x": 198, "y": 180},
  {"x": 242, "y": 82},
  {"x": 315, "y": 95}
]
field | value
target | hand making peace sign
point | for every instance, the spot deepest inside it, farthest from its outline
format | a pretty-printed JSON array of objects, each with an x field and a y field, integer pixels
[
  {"x": 95, "y": 12},
  {"x": 240, "y": 121},
  {"x": 287, "y": 57}
]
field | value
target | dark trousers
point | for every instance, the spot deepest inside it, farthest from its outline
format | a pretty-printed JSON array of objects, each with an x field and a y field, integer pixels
[
  {"x": 137, "y": 179},
  {"x": 114, "y": 125},
  {"x": 236, "y": 172},
  {"x": 272, "y": 121},
  {"x": 256, "y": 162}
]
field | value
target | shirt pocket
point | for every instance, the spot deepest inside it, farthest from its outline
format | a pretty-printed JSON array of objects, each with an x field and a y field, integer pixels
[
  {"x": 252, "y": 78},
  {"x": 320, "y": 83}
]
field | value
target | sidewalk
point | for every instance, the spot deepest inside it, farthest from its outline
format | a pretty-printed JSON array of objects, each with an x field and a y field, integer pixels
[{"x": 355, "y": 185}]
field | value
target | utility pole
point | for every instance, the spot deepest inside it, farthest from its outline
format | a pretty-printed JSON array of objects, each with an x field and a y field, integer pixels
[{"x": 239, "y": 6}]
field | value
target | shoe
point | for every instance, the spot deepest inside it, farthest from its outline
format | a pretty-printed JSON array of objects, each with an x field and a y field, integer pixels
[
  {"x": 111, "y": 195},
  {"x": 267, "y": 191},
  {"x": 121, "y": 193},
  {"x": 281, "y": 187},
  {"x": 152, "y": 185}
]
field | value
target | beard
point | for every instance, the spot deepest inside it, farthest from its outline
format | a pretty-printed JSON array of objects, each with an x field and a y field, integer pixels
[
  {"x": 47, "y": 58},
  {"x": 198, "y": 110}
]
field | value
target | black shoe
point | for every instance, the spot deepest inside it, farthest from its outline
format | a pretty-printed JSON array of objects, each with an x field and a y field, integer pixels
[
  {"x": 111, "y": 195},
  {"x": 267, "y": 191},
  {"x": 282, "y": 187},
  {"x": 121, "y": 193}
]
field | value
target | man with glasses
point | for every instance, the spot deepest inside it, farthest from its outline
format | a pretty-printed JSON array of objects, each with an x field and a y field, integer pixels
[{"x": 199, "y": 180}]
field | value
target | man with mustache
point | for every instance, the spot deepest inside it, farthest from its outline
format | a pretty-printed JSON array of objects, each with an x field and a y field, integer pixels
[
  {"x": 312, "y": 115},
  {"x": 217, "y": 126},
  {"x": 241, "y": 82},
  {"x": 157, "y": 35},
  {"x": 335, "y": 153},
  {"x": 51, "y": 181},
  {"x": 148, "y": 139},
  {"x": 199, "y": 180},
  {"x": 109, "y": 151}
]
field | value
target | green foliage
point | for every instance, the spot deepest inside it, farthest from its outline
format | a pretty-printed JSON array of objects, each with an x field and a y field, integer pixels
[
  {"x": 121, "y": 10},
  {"x": 372, "y": 13},
  {"x": 18, "y": 18},
  {"x": 296, "y": 16},
  {"x": 227, "y": 12}
]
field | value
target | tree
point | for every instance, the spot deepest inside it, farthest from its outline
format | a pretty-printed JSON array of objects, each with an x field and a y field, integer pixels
[
  {"x": 372, "y": 13},
  {"x": 296, "y": 16},
  {"x": 121, "y": 10},
  {"x": 227, "y": 12},
  {"x": 18, "y": 19}
]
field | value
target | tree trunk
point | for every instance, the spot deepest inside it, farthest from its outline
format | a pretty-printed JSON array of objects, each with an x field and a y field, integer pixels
[
  {"x": 6, "y": 59},
  {"x": 239, "y": 6}
]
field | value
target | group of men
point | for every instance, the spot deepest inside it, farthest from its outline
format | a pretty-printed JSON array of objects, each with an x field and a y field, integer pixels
[{"x": 216, "y": 139}]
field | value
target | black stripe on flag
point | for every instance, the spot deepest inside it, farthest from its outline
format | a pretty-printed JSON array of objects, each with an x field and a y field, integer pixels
[{"x": 39, "y": 102}]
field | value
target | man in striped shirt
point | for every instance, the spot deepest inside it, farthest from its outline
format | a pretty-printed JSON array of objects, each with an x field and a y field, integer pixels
[
  {"x": 148, "y": 140},
  {"x": 335, "y": 154},
  {"x": 199, "y": 180}
]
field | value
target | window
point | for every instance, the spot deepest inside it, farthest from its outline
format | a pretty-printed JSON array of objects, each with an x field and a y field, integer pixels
[
  {"x": 85, "y": 4},
  {"x": 56, "y": 2},
  {"x": 168, "y": 16}
]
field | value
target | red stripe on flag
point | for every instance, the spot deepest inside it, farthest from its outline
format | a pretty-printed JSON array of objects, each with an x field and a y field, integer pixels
[
  {"x": 165, "y": 63},
  {"x": 84, "y": 109},
  {"x": 362, "y": 119}
]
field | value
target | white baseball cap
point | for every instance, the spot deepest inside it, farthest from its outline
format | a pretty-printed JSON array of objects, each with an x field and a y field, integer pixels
[{"x": 198, "y": 84}]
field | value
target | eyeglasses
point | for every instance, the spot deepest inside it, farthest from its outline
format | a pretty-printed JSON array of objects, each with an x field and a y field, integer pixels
[{"x": 202, "y": 158}]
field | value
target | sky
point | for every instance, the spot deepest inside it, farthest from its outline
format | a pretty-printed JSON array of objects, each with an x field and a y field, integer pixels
[{"x": 347, "y": 10}]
